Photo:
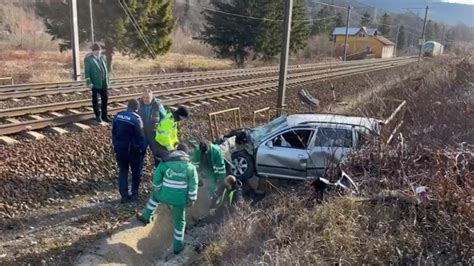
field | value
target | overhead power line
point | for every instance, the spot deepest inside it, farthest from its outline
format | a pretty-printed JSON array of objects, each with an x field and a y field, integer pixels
[
  {"x": 142, "y": 36},
  {"x": 326, "y": 4},
  {"x": 249, "y": 17}
]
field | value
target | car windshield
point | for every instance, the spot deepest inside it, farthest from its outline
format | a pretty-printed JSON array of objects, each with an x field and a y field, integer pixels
[{"x": 261, "y": 132}]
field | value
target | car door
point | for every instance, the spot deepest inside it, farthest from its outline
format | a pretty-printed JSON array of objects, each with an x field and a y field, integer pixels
[
  {"x": 285, "y": 154},
  {"x": 329, "y": 145}
]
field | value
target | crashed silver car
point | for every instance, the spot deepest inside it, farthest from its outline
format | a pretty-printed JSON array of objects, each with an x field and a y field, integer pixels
[{"x": 295, "y": 146}]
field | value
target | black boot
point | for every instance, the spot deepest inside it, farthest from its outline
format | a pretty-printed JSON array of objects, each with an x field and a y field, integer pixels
[{"x": 142, "y": 219}]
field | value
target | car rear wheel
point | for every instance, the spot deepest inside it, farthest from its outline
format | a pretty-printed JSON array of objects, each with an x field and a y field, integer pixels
[{"x": 243, "y": 166}]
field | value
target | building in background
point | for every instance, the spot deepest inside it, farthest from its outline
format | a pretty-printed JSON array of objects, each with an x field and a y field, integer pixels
[{"x": 362, "y": 43}]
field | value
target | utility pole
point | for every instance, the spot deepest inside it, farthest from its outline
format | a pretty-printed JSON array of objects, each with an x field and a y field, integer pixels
[
  {"x": 333, "y": 37},
  {"x": 75, "y": 41},
  {"x": 92, "y": 22},
  {"x": 284, "y": 57},
  {"x": 347, "y": 31},
  {"x": 396, "y": 40},
  {"x": 422, "y": 41}
]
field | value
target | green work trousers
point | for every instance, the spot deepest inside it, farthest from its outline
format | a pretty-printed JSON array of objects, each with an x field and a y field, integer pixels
[{"x": 179, "y": 217}]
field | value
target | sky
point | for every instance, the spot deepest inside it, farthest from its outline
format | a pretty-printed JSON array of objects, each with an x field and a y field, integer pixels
[
  {"x": 466, "y": 2},
  {"x": 447, "y": 11}
]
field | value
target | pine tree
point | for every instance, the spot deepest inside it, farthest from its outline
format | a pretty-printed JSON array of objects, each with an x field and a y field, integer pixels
[
  {"x": 270, "y": 35},
  {"x": 384, "y": 28},
  {"x": 339, "y": 21},
  {"x": 365, "y": 19},
  {"x": 322, "y": 25},
  {"x": 429, "y": 31},
  {"x": 155, "y": 20},
  {"x": 450, "y": 38},
  {"x": 401, "y": 38},
  {"x": 112, "y": 25},
  {"x": 436, "y": 31},
  {"x": 236, "y": 37},
  {"x": 233, "y": 36}
]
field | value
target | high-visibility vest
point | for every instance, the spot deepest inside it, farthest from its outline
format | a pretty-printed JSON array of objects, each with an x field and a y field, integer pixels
[
  {"x": 167, "y": 132},
  {"x": 221, "y": 199}
]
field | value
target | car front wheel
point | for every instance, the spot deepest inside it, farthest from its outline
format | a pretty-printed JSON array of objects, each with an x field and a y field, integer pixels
[{"x": 243, "y": 166}]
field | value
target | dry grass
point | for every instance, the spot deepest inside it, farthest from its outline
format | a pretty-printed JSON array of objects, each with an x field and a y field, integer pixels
[
  {"x": 28, "y": 54},
  {"x": 436, "y": 103},
  {"x": 43, "y": 66},
  {"x": 183, "y": 43},
  {"x": 35, "y": 66},
  {"x": 21, "y": 28},
  {"x": 318, "y": 46},
  {"x": 170, "y": 62},
  {"x": 288, "y": 228}
]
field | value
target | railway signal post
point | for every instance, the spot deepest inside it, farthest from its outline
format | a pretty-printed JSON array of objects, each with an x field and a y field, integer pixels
[{"x": 284, "y": 56}]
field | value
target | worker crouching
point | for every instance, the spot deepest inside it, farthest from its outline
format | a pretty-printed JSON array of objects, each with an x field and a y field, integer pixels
[
  {"x": 229, "y": 195},
  {"x": 176, "y": 185}
]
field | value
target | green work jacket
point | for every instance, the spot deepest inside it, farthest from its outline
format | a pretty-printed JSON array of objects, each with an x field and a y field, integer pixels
[
  {"x": 215, "y": 172},
  {"x": 93, "y": 73},
  {"x": 176, "y": 180}
]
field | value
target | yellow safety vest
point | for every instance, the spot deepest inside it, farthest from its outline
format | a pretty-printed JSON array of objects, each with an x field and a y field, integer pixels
[
  {"x": 167, "y": 132},
  {"x": 220, "y": 201}
]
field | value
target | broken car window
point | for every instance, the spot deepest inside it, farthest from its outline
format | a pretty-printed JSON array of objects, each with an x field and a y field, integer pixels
[
  {"x": 297, "y": 139},
  {"x": 332, "y": 137}
]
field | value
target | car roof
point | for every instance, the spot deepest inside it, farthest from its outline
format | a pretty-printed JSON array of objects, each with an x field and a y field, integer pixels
[{"x": 370, "y": 124}]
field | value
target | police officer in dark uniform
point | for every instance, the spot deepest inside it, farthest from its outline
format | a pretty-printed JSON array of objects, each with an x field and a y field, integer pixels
[{"x": 129, "y": 144}]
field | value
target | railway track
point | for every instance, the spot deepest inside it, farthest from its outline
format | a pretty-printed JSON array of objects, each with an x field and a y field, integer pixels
[
  {"x": 44, "y": 89},
  {"x": 17, "y": 120}
]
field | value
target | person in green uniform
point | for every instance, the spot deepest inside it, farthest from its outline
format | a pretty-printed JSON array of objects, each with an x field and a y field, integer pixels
[
  {"x": 209, "y": 161},
  {"x": 176, "y": 185}
]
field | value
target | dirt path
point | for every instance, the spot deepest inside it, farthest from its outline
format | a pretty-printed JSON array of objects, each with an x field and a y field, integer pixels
[{"x": 135, "y": 244}]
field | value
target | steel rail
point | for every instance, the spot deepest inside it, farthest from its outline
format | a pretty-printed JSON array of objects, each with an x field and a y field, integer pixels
[
  {"x": 19, "y": 111},
  {"x": 13, "y": 128},
  {"x": 80, "y": 84},
  {"x": 143, "y": 82},
  {"x": 4, "y": 90}
]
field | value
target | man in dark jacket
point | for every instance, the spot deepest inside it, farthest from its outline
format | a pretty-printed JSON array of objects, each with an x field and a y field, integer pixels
[
  {"x": 129, "y": 145},
  {"x": 151, "y": 111}
]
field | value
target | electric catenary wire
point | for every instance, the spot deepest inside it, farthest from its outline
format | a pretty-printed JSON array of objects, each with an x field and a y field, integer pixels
[
  {"x": 249, "y": 17},
  {"x": 137, "y": 28}
]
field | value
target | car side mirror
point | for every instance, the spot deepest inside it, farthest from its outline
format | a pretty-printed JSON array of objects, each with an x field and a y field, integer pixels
[{"x": 269, "y": 144}]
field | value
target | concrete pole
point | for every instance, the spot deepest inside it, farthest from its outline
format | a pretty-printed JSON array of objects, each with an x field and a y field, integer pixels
[
  {"x": 92, "y": 22},
  {"x": 75, "y": 41},
  {"x": 396, "y": 41},
  {"x": 347, "y": 31},
  {"x": 284, "y": 56},
  {"x": 423, "y": 35}
]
